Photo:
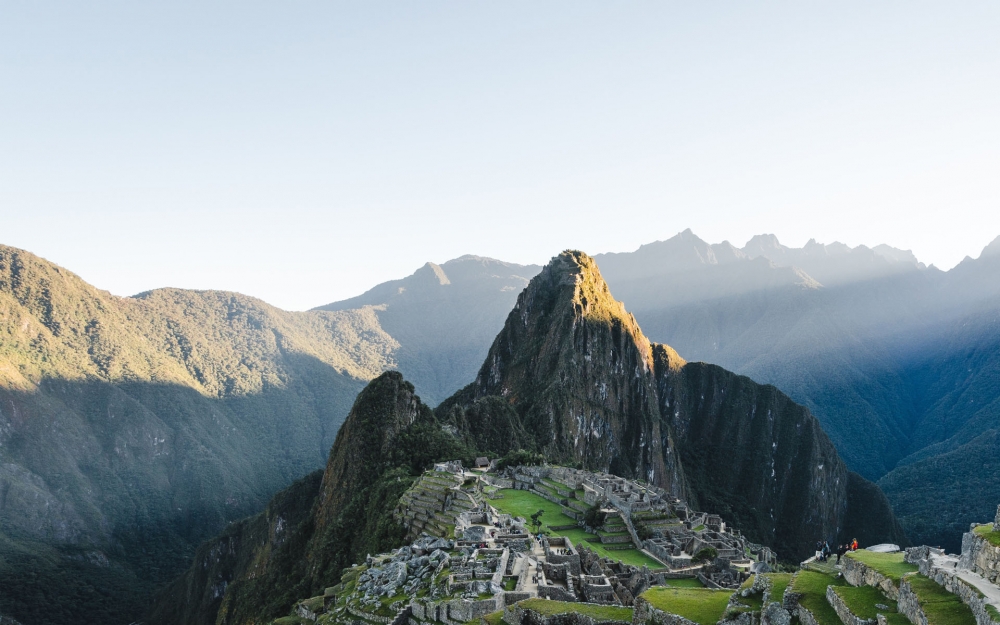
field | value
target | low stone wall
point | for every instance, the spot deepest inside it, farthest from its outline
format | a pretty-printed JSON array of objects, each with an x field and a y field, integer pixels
[
  {"x": 517, "y": 615},
  {"x": 806, "y": 617},
  {"x": 774, "y": 614},
  {"x": 858, "y": 573},
  {"x": 845, "y": 614},
  {"x": 646, "y": 614},
  {"x": 908, "y": 605},
  {"x": 979, "y": 556},
  {"x": 968, "y": 593},
  {"x": 556, "y": 593}
]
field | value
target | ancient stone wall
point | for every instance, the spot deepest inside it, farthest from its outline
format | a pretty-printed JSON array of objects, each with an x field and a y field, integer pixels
[
  {"x": 858, "y": 573},
  {"x": 979, "y": 556},
  {"x": 908, "y": 605},
  {"x": 646, "y": 614},
  {"x": 845, "y": 614}
]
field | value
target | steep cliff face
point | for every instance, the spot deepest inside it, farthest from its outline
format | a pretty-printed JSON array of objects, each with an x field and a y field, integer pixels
[{"x": 577, "y": 370}]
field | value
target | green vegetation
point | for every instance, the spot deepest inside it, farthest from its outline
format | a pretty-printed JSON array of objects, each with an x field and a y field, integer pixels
[
  {"x": 520, "y": 458},
  {"x": 812, "y": 586},
  {"x": 594, "y": 517},
  {"x": 495, "y": 618},
  {"x": 523, "y": 503},
  {"x": 701, "y": 605},
  {"x": 600, "y": 612},
  {"x": 986, "y": 531},
  {"x": 779, "y": 582},
  {"x": 940, "y": 606},
  {"x": 891, "y": 565},
  {"x": 861, "y": 600},
  {"x": 684, "y": 582},
  {"x": 705, "y": 554}
]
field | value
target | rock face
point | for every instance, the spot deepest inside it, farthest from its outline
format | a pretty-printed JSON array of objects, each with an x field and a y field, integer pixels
[
  {"x": 572, "y": 376},
  {"x": 979, "y": 556},
  {"x": 996, "y": 521}
]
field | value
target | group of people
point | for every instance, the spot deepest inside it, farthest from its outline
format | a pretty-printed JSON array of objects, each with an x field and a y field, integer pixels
[{"x": 824, "y": 551}]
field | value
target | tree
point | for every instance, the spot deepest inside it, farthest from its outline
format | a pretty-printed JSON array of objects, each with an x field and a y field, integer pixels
[
  {"x": 536, "y": 520},
  {"x": 705, "y": 554},
  {"x": 594, "y": 517}
]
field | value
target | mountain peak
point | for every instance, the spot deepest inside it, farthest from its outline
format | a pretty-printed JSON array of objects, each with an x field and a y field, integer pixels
[{"x": 993, "y": 249}]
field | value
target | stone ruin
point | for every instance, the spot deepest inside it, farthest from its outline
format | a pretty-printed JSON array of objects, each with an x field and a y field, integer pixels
[
  {"x": 996, "y": 521},
  {"x": 403, "y": 570}
]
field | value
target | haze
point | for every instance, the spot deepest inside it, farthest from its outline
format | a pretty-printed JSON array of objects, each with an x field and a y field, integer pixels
[{"x": 304, "y": 152}]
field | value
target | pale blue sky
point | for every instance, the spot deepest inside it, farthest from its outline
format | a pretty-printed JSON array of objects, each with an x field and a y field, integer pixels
[{"x": 302, "y": 152}]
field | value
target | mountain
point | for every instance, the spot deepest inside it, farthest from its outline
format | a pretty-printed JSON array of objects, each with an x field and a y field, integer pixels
[
  {"x": 572, "y": 377},
  {"x": 878, "y": 346},
  {"x": 131, "y": 429},
  {"x": 444, "y": 317}
]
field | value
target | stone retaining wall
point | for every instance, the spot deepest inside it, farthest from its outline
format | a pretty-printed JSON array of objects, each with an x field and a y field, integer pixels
[
  {"x": 845, "y": 614},
  {"x": 908, "y": 605},
  {"x": 517, "y": 615},
  {"x": 979, "y": 556},
  {"x": 857, "y": 573},
  {"x": 646, "y": 614}
]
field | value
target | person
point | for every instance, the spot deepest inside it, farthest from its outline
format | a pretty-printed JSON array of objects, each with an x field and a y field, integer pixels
[
  {"x": 841, "y": 550},
  {"x": 854, "y": 545}
]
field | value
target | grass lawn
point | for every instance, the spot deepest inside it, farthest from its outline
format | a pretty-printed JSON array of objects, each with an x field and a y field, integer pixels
[
  {"x": 548, "y": 607},
  {"x": 940, "y": 606},
  {"x": 495, "y": 618},
  {"x": 779, "y": 582},
  {"x": 701, "y": 605},
  {"x": 861, "y": 600},
  {"x": 685, "y": 582},
  {"x": 812, "y": 585},
  {"x": 889, "y": 564},
  {"x": 523, "y": 503},
  {"x": 986, "y": 531}
]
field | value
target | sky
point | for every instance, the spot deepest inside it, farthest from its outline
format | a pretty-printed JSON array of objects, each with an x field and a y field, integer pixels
[{"x": 302, "y": 152}]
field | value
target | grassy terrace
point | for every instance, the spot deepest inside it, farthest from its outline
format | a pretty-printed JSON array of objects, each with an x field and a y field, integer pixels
[
  {"x": 812, "y": 585},
  {"x": 940, "y": 606},
  {"x": 986, "y": 531},
  {"x": 599, "y": 612},
  {"x": 523, "y": 503},
  {"x": 685, "y": 582},
  {"x": 861, "y": 601},
  {"x": 779, "y": 582},
  {"x": 701, "y": 605},
  {"x": 889, "y": 564}
]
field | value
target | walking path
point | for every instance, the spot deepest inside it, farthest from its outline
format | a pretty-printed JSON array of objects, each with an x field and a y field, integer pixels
[{"x": 949, "y": 565}]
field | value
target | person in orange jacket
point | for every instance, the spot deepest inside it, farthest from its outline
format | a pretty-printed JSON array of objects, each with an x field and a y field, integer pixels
[{"x": 854, "y": 545}]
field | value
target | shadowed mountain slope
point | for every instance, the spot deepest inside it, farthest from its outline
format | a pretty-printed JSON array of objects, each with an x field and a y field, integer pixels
[{"x": 131, "y": 429}]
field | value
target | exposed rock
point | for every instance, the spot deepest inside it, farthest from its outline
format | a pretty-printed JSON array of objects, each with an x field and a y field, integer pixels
[{"x": 857, "y": 573}]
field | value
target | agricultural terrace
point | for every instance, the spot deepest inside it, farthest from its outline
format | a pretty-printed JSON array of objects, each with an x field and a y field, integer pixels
[{"x": 524, "y": 503}]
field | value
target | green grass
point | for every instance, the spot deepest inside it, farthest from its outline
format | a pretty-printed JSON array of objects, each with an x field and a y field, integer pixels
[
  {"x": 986, "y": 531},
  {"x": 940, "y": 606},
  {"x": 779, "y": 582},
  {"x": 495, "y": 618},
  {"x": 510, "y": 583},
  {"x": 861, "y": 600},
  {"x": 889, "y": 564},
  {"x": 684, "y": 582},
  {"x": 523, "y": 503},
  {"x": 548, "y": 607},
  {"x": 698, "y": 529},
  {"x": 701, "y": 605},
  {"x": 812, "y": 586},
  {"x": 993, "y": 612}
]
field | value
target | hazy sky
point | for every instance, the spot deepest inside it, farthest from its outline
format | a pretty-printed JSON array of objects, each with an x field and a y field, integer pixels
[{"x": 302, "y": 152}]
